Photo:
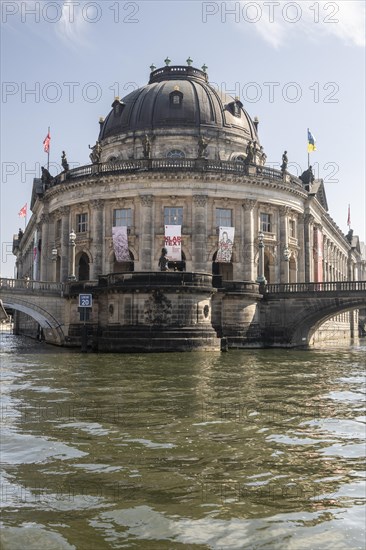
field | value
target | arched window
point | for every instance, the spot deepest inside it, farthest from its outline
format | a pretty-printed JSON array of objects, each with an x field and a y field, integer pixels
[
  {"x": 83, "y": 268},
  {"x": 122, "y": 267},
  {"x": 175, "y": 154},
  {"x": 58, "y": 269},
  {"x": 292, "y": 270},
  {"x": 240, "y": 158},
  {"x": 235, "y": 107},
  {"x": 225, "y": 269},
  {"x": 178, "y": 266},
  {"x": 176, "y": 99},
  {"x": 267, "y": 268}
]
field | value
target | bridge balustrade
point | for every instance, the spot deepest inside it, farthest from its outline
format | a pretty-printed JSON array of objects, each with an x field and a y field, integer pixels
[
  {"x": 329, "y": 286},
  {"x": 24, "y": 285}
]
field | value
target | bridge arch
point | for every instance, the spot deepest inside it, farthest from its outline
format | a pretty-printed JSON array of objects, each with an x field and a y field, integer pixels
[
  {"x": 304, "y": 325},
  {"x": 51, "y": 326}
]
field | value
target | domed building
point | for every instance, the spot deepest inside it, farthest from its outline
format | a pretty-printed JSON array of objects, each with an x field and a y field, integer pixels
[{"x": 177, "y": 164}]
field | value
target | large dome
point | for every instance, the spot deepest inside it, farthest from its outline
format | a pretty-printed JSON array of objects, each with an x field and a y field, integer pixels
[{"x": 179, "y": 98}]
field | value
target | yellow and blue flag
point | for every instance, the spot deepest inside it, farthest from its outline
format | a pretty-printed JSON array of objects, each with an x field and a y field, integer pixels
[{"x": 311, "y": 142}]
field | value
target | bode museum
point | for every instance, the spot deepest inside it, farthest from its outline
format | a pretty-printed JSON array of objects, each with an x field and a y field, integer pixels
[{"x": 177, "y": 228}]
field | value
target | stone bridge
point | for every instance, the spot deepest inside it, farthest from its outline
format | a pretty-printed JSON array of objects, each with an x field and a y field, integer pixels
[
  {"x": 42, "y": 301},
  {"x": 287, "y": 314},
  {"x": 291, "y": 313}
]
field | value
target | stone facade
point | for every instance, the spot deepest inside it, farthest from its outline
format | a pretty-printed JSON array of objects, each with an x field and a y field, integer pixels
[{"x": 162, "y": 163}]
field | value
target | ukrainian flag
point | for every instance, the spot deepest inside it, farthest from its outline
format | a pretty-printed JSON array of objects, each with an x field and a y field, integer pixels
[{"x": 311, "y": 142}]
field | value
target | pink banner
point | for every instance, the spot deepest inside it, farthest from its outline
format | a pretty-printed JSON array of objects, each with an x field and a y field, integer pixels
[
  {"x": 173, "y": 242},
  {"x": 120, "y": 243}
]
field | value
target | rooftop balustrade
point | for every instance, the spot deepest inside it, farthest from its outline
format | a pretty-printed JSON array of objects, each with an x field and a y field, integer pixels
[{"x": 177, "y": 165}]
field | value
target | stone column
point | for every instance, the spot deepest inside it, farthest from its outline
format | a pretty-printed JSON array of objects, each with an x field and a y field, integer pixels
[
  {"x": 350, "y": 267},
  {"x": 250, "y": 244},
  {"x": 331, "y": 261},
  {"x": 97, "y": 233},
  {"x": 199, "y": 233},
  {"x": 45, "y": 273},
  {"x": 308, "y": 242},
  {"x": 147, "y": 233},
  {"x": 52, "y": 260},
  {"x": 65, "y": 248},
  {"x": 301, "y": 242},
  {"x": 325, "y": 259},
  {"x": 284, "y": 264}
]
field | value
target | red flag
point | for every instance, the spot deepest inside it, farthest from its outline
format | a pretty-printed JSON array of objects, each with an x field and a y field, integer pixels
[
  {"x": 349, "y": 216},
  {"x": 23, "y": 211},
  {"x": 46, "y": 143}
]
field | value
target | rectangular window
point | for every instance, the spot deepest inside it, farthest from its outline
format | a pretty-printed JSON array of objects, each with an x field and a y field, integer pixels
[
  {"x": 173, "y": 215},
  {"x": 82, "y": 223},
  {"x": 224, "y": 217},
  {"x": 292, "y": 228},
  {"x": 265, "y": 222},
  {"x": 122, "y": 217}
]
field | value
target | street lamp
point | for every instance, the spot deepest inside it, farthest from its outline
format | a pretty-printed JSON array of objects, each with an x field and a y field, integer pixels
[
  {"x": 261, "y": 278},
  {"x": 286, "y": 255},
  {"x": 72, "y": 239}
]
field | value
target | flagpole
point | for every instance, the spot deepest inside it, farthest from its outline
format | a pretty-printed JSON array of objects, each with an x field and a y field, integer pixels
[
  {"x": 48, "y": 152},
  {"x": 307, "y": 140}
]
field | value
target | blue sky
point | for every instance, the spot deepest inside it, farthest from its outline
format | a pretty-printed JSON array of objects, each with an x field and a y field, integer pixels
[{"x": 294, "y": 65}]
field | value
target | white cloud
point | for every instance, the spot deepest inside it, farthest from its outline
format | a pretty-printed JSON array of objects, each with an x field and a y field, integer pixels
[
  {"x": 72, "y": 27},
  {"x": 281, "y": 20}
]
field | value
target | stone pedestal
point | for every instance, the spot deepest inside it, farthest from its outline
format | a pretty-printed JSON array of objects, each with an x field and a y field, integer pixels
[{"x": 154, "y": 311}]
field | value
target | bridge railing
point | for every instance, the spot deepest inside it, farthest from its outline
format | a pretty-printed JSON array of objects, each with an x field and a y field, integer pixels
[
  {"x": 24, "y": 285},
  {"x": 329, "y": 286}
]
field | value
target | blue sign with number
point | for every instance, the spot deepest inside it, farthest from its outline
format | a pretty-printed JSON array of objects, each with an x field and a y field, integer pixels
[{"x": 85, "y": 300}]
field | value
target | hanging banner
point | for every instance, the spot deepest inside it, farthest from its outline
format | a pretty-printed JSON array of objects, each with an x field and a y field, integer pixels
[
  {"x": 173, "y": 242},
  {"x": 226, "y": 241},
  {"x": 120, "y": 243}
]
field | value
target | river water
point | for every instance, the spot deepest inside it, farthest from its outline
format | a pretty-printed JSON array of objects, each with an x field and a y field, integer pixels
[{"x": 259, "y": 449}]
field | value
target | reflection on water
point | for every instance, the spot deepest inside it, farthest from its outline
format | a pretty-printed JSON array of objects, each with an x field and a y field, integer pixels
[{"x": 257, "y": 449}]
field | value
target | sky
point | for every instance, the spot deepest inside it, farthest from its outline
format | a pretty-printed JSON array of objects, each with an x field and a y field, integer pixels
[{"x": 294, "y": 65}]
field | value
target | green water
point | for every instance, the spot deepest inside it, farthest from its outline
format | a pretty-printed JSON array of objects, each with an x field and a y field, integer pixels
[{"x": 241, "y": 450}]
